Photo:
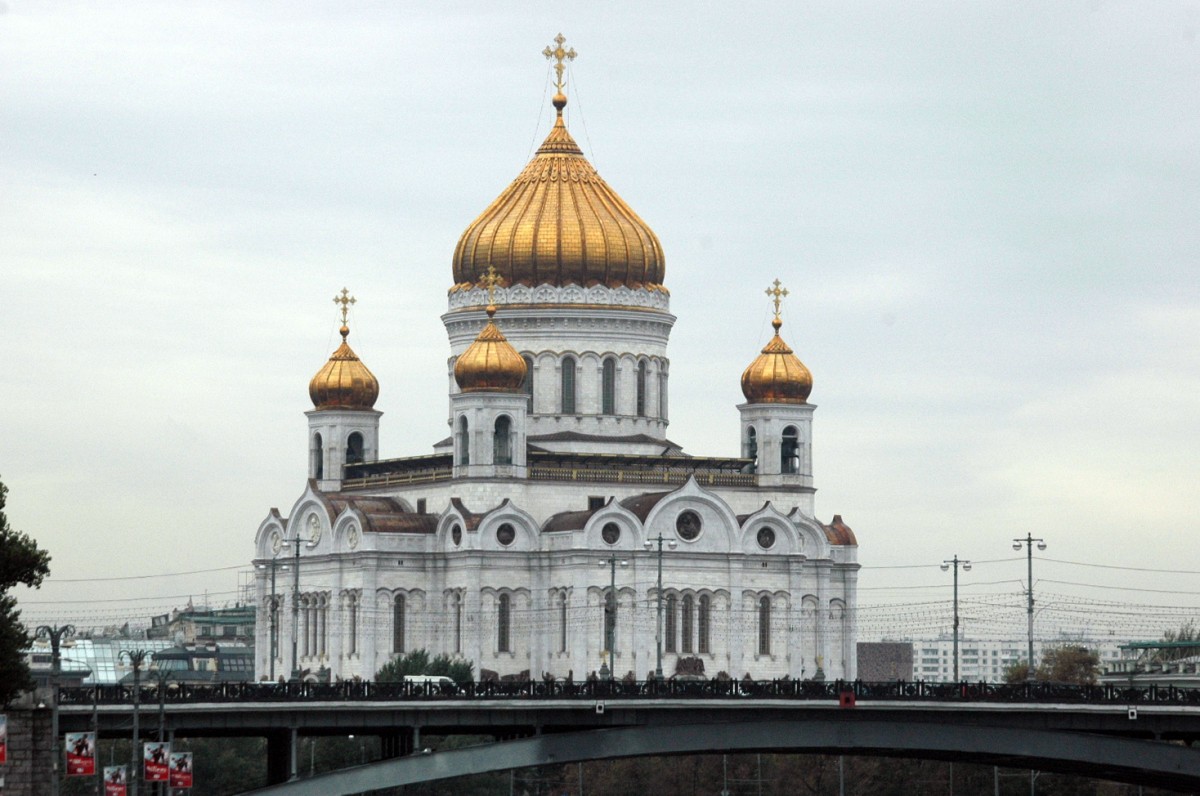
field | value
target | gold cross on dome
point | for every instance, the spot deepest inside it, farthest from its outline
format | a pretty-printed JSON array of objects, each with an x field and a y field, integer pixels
[
  {"x": 777, "y": 293},
  {"x": 345, "y": 299},
  {"x": 558, "y": 54},
  {"x": 490, "y": 280}
]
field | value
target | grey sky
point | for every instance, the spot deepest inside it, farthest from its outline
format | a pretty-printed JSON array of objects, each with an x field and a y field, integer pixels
[{"x": 988, "y": 215}]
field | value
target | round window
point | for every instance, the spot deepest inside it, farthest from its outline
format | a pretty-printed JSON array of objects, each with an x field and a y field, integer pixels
[
  {"x": 506, "y": 534},
  {"x": 456, "y": 534},
  {"x": 766, "y": 538},
  {"x": 687, "y": 525},
  {"x": 610, "y": 533}
]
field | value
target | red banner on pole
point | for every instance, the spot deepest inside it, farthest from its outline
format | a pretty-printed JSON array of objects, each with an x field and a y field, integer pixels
[
  {"x": 154, "y": 761},
  {"x": 3, "y": 739},
  {"x": 181, "y": 770},
  {"x": 114, "y": 781},
  {"x": 81, "y": 754}
]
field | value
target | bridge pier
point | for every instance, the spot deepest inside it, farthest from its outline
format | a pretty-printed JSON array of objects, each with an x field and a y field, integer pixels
[
  {"x": 396, "y": 744},
  {"x": 281, "y": 756}
]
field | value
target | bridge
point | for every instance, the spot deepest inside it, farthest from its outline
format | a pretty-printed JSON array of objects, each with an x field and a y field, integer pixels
[{"x": 1137, "y": 735}]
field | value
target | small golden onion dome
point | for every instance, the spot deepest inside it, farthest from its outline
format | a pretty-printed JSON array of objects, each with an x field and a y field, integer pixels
[
  {"x": 559, "y": 223},
  {"x": 490, "y": 364},
  {"x": 776, "y": 376},
  {"x": 344, "y": 382}
]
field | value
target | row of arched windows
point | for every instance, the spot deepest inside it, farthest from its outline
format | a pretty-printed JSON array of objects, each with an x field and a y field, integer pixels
[
  {"x": 568, "y": 398},
  {"x": 686, "y": 622},
  {"x": 502, "y": 441},
  {"x": 789, "y": 450},
  {"x": 355, "y": 452}
]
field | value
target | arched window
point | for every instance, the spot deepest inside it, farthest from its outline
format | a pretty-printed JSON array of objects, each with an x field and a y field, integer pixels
[
  {"x": 503, "y": 620},
  {"x": 353, "y": 624},
  {"x": 641, "y": 389},
  {"x": 686, "y": 619},
  {"x": 318, "y": 454},
  {"x": 789, "y": 451},
  {"x": 304, "y": 612},
  {"x": 354, "y": 448},
  {"x": 705, "y": 612},
  {"x": 458, "y": 617},
  {"x": 562, "y": 622},
  {"x": 398, "y": 624},
  {"x": 568, "y": 386},
  {"x": 670, "y": 630},
  {"x": 752, "y": 448},
  {"x": 608, "y": 387},
  {"x": 610, "y": 621},
  {"x": 314, "y": 626},
  {"x": 764, "y": 625},
  {"x": 464, "y": 442},
  {"x": 323, "y": 625},
  {"x": 502, "y": 441},
  {"x": 662, "y": 394},
  {"x": 527, "y": 385}
]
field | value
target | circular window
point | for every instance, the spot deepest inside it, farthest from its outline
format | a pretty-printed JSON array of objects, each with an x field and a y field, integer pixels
[
  {"x": 687, "y": 525},
  {"x": 456, "y": 534},
  {"x": 506, "y": 534},
  {"x": 766, "y": 538},
  {"x": 610, "y": 533}
]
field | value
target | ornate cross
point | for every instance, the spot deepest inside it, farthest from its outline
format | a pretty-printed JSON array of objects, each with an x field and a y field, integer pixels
[
  {"x": 777, "y": 293},
  {"x": 345, "y": 299},
  {"x": 489, "y": 280},
  {"x": 558, "y": 54}
]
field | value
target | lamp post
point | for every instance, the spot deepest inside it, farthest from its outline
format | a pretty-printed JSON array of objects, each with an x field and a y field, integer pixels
[
  {"x": 1041, "y": 545},
  {"x": 136, "y": 659},
  {"x": 294, "y": 543},
  {"x": 55, "y": 634},
  {"x": 274, "y": 614},
  {"x": 610, "y": 628},
  {"x": 648, "y": 544},
  {"x": 956, "y": 562}
]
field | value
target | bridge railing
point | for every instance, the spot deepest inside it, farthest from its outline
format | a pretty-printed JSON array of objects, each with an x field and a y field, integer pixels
[{"x": 786, "y": 689}]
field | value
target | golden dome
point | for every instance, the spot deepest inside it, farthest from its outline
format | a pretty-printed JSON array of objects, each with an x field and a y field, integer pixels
[
  {"x": 344, "y": 382},
  {"x": 559, "y": 223},
  {"x": 776, "y": 376},
  {"x": 490, "y": 364}
]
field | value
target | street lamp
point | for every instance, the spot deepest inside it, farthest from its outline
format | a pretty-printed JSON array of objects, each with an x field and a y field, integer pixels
[
  {"x": 136, "y": 659},
  {"x": 956, "y": 562},
  {"x": 295, "y": 545},
  {"x": 610, "y": 627},
  {"x": 55, "y": 635},
  {"x": 274, "y": 613},
  {"x": 648, "y": 544},
  {"x": 1041, "y": 545}
]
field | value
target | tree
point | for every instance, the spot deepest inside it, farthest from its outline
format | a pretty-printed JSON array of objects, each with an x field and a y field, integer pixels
[
  {"x": 418, "y": 662},
  {"x": 22, "y": 562},
  {"x": 1070, "y": 663}
]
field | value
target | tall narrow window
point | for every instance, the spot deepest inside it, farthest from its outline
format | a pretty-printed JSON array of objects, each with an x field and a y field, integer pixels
[
  {"x": 568, "y": 385},
  {"x": 458, "y": 612},
  {"x": 353, "y": 624},
  {"x": 641, "y": 389},
  {"x": 502, "y": 441},
  {"x": 662, "y": 394},
  {"x": 562, "y": 622},
  {"x": 669, "y": 629},
  {"x": 527, "y": 385},
  {"x": 608, "y": 387},
  {"x": 318, "y": 455},
  {"x": 304, "y": 612},
  {"x": 764, "y": 625},
  {"x": 610, "y": 621},
  {"x": 503, "y": 619},
  {"x": 323, "y": 625},
  {"x": 686, "y": 620},
  {"x": 275, "y": 625},
  {"x": 354, "y": 448},
  {"x": 752, "y": 448},
  {"x": 705, "y": 614},
  {"x": 464, "y": 442},
  {"x": 398, "y": 624},
  {"x": 789, "y": 451}
]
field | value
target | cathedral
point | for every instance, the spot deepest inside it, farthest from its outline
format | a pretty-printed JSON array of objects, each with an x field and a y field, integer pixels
[{"x": 557, "y": 530}]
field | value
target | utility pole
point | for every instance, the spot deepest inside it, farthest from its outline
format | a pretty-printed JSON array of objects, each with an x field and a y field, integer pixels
[
  {"x": 1028, "y": 542},
  {"x": 295, "y": 544},
  {"x": 610, "y": 623},
  {"x": 55, "y": 635},
  {"x": 136, "y": 659},
  {"x": 966, "y": 566},
  {"x": 648, "y": 544}
]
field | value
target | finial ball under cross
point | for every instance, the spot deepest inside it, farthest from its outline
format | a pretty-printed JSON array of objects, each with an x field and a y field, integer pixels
[{"x": 345, "y": 299}]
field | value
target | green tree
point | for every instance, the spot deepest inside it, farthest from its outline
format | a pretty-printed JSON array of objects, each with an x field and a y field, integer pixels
[
  {"x": 22, "y": 562},
  {"x": 1069, "y": 663},
  {"x": 418, "y": 662}
]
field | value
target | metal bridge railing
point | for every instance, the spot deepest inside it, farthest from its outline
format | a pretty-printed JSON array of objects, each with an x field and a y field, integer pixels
[{"x": 789, "y": 690}]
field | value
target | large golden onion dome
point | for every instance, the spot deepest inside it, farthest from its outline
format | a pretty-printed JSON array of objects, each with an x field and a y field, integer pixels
[
  {"x": 559, "y": 223},
  {"x": 490, "y": 364},
  {"x": 776, "y": 376},
  {"x": 344, "y": 382}
]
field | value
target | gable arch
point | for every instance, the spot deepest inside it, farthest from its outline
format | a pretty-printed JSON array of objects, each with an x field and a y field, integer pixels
[{"x": 719, "y": 524}]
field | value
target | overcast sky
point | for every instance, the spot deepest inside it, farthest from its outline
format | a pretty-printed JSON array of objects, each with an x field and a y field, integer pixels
[{"x": 987, "y": 214}]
